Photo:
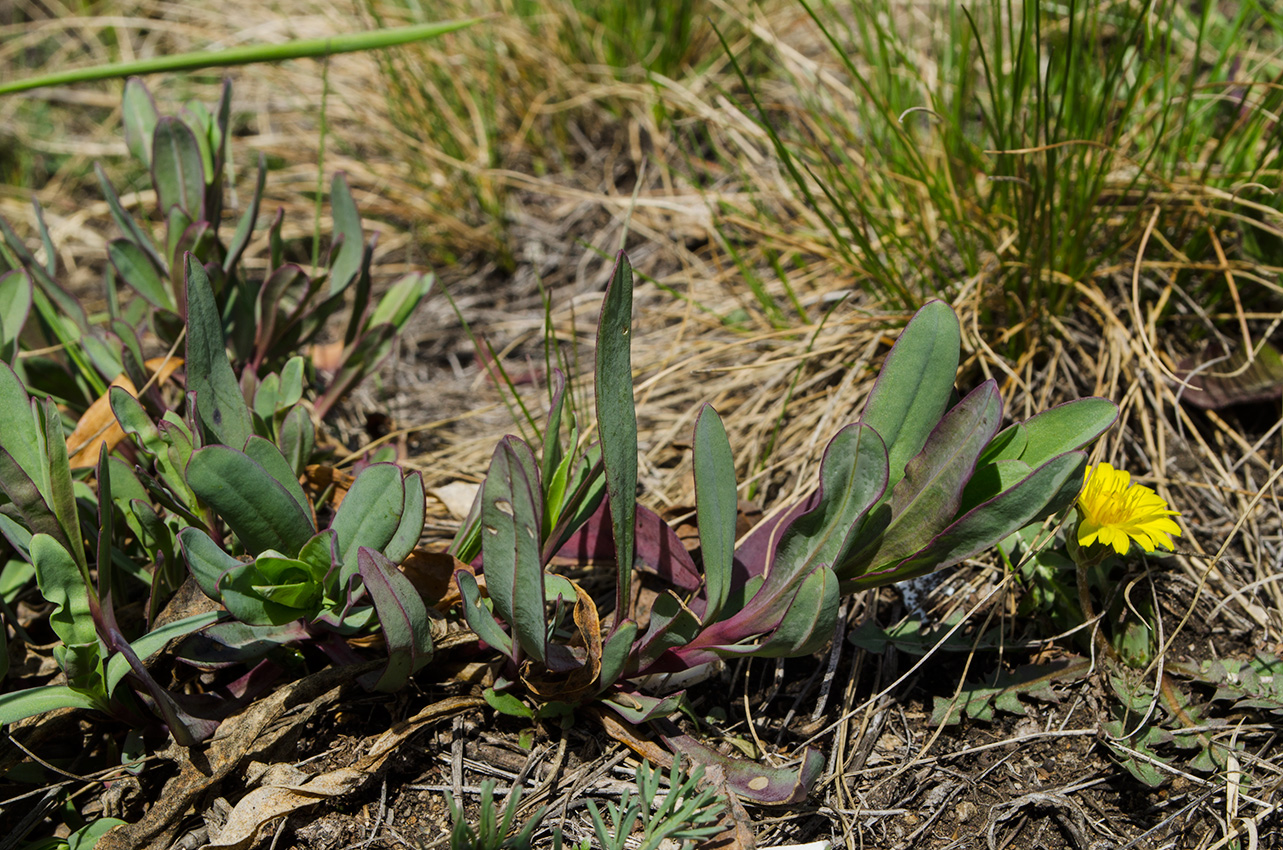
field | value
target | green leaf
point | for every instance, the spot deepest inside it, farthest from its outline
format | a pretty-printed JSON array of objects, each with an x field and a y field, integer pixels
[
  {"x": 19, "y": 434},
  {"x": 615, "y": 652},
  {"x": 927, "y": 498},
  {"x": 206, "y": 560},
  {"x": 30, "y": 702},
  {"x": 86, "y": 838},
  {"x": 260, "y": 511},
  {"x": 156, "y": 640},
  {"x": 402, "y": 615},
  {"x": 270, "y": 458},
  {"x": 60, "y": 494},
  {"x": 401, "y": 300},
  {"x": 507, "y": 703},
  {"x": 245, "y": 227},
  {"x": 297, "y": 438},
  {"x": 478, "y": 616},
  {"x": 913, "y": 389},
  {"x": 265, "y": 395},
  {"x": 716, "y": 504},
  {"x": 410, "y": 529},
  {"x": 177, "y": 169},
  {"x": 136, "y": 268},
  {"x": 1050, "y": 488},
  {"x": 511, "y": 517},
  {"x": 139, "y": 115},
  {"x": 809, "y": 622},
  {"x": 15, "y": 307},
  {"x": 346, "y": 264},
  {"x": 617, "y": 421},
  {"x": 1066, "y": 427},
  {"x": 370, "y": 513},
  {"x": 853, "y": 475},
  {"x": 219, "y": 402},
  {"x": 64, "y": 586}
]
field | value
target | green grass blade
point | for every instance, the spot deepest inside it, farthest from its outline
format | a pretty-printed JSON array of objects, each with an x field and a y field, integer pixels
[{"x": 306, "y": 48}]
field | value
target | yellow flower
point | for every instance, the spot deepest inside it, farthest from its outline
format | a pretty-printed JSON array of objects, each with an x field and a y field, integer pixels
[{"x": 1115, "y": 512}]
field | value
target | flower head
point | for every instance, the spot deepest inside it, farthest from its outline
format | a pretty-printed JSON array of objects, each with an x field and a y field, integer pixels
[{"x": 1115, "y": 512}]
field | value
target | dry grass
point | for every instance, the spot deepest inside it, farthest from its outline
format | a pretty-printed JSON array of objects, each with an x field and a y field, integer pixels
[{"x": 584, "y": 161}]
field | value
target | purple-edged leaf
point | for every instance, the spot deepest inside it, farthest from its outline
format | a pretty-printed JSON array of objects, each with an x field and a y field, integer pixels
[
  {"x": 617, "y": 420},
  {"x": 176, "y": 167},
  {"x": 187, "y": 730},
  {"x": 15, "y": 307},
  {"x": 233, "y": 642},
  {"x": 511, "y": 517},
  {"x": 138, "y": 268},
  {"x": 913, "y": 389},
  {"x": 615, "y": 652},
  {"x": 748, "y": 779},
  {"x": 1066, "y": 427},
  {"x": 659, "y": 549},
  {"x": 370, "y": 514},
  {"x": 206, "y": 560},
  {"x": 810, "y": 619},
  {"x": 478, "y": 616},
  {"x": 928, "y": 496},
  {"x": 346, "y": 262},
  {"x": 219, "y": 403},
  {"x": 410, "y": 529},
  {"x": 1049, "y": 489},
  {"x": 358, "y": 360},
  {"x": 283, "y": 288},
  {"x": 853, "y": 476},
  {"x": 402, "y": 615},
  {"x": 268, "y": 456},
  {"x": 990, "y": 479},
  {"x": 139, "y": 115},
  {"x": 250, "y": 500},
  {"x": 715, "y": 507}
]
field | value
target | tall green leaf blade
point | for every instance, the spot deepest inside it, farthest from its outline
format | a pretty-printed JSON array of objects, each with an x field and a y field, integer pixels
[
  {"x": 809, "y": 621},
  {"x": 219, "y": 403},
  {"x": 139, "y": 115},
  {"x": 250, "y": 500},
  {"x": 913, "y": 389},
  {"x": 19, "y": 435},
  {"x": 136, "y": 268},
  {"x": 177, "y": 168},
  {"x": 26, "y": 497},
  {"x": 511, "y": 517},
  {"x": 346, "y": 264},
  {"x": 617, "y": 421},
  {"x": 15, "y": 307},
  {"x": 716, "y": 505},
  {"x": 60, "y": 493},
  {"x": 402, "y": 616}
]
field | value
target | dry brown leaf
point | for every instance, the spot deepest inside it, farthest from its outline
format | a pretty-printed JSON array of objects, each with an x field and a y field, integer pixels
[
  {"x": 457, "y": 497},
  {"x": 287, "y": 791},
  {"x": 98, "y": 425}
]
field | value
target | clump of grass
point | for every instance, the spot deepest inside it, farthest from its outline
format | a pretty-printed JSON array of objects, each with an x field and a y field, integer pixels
[{"x": 1022, "y": 149}]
